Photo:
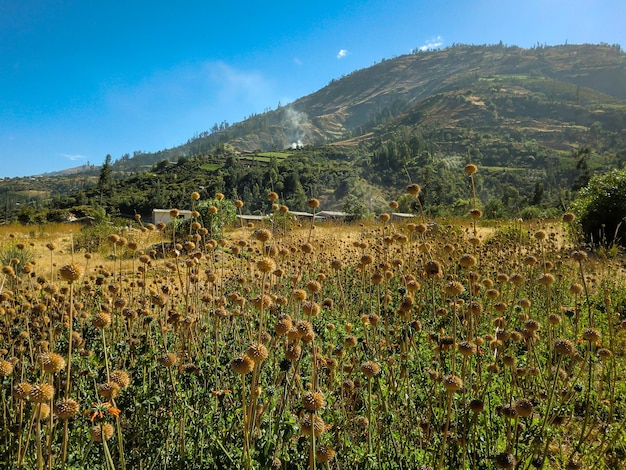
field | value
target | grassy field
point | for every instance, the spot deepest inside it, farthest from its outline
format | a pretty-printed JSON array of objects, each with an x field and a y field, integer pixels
[{"x": 374, "y": 345}]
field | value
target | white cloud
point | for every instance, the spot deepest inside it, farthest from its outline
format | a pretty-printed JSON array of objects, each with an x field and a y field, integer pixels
[
  {"x": 73, "y": 157},
  {"x": 342, "y": 53},
  {"x": 432, "y": 43}
]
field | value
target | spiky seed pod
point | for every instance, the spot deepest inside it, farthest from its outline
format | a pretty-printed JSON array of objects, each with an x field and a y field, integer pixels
[
  {"x": 108, "y": 390},
  {"x": 524, "y": 407},
  {"x": 476, "y": 213},
  {"x": 311, "y": 308},
  {"x": 299, "y": 295},
  {"x": 524, "y": 303},
  {"x": 257, "y": 352},
  {"x": 262, "y": 235},
  {"x": 413, "y": 189},
  {"x": 71, "y": 272},
  {"x": 516, "y": 279},
  {"x": 52, "y": 363},
  {"x": 101, "y": 320},
  {"x": 452, "y": 383},
  {"x": 508, "y": 411},
  {"x": 384, "y": 217},
  {"x": 195, "y": 196},
  {"x": 120, "y": 378},
  {"x": 242, "y": 364},
  {"x": 370, "y": 369},
  {"x": 276, "y": 463},
  {"x": 477, "y": 405},
  {"x": 568, "y": 217},
  {"x": 312, "y": 424},
  {"x": 467, "y": 348},
  {"x": 591, "y": 335},
  {"x": 307, "y": 248},
  {"x": 576, "y": 289},
  {"x": 266, "y": 265},
  {"x": 324, "y": 453},
  {"x": 545, "y": 279},
  {"x": 467, "y": 261},
  {"x": 41, "y": 393},
  {"x": 579, "y": 256},
  {"x": 21, "y": 390},
  {"x": 66, "y": 408},
  {"x": 313, "y": 401},
  {"x": 604, "y": 353},
  {"x": 563, "y": 346},
  {"x": 470, "y": 169},
  {"x": 262, "y": 301},
  {"x": 283, "y": 324},
  {"x": 50, "y": 246},
  {"x": 102, "y": 432},
  {"x": 313, "y": 203},
  {"x": 433, "y": 269},
  {"x": 6, "y": 368},
  {"x": 293, "y": 351},
  {"x": 454, "y": 288},
  {"x": 168, "y": 359},
  {"x": 42, "y": 411},
  {"x": 505, "y": 460}
]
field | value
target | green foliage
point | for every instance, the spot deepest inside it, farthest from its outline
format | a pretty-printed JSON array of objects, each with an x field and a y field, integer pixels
[
  {"x": 225, "y": 215},
  {"x": 13, "y": 252},
  {"x": 601, "y": 209},
  {"x": 355, "y": 208}
]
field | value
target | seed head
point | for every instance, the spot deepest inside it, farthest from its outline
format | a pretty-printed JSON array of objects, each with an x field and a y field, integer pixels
[
  {"x": 370, "y": 369},
  {"x": 591, "y": 335},
  {"x": 266, "y": 265},
  {"x": 242, "y": 365},
  {"x": 41, "y": 393},
  {"x": 413, "y": 189},
  {"x": 563, "y": 346},
  {"x": 102, "y": 432},
  {"x": 168, "y": 359},
  {"x": 120, "y": 378},
  {"x": 568, "y": 217},
  {"x": 313, "y": 401},
  {"x": 262, "y": 235},
  {"x": 452, "y": 383},
  {"x": 324, "y": 453},
  {"x": 66, "y": 408},
  {"x": 524, "y": 407},
  {"x": 71, "y": 272},
  {"x": 6, "y": 368},
  {"x": 257, "y": 352},
  {"x": 52, "y": 363},
  {"x": 505, "y": 460},
  {"x": 312, "y": 424},
  {"x": 101, "y": 320},
  {"x": 470, "y": 169},
  {"x": 313, "y": 203},
  {"x": 108, "y": 390}
]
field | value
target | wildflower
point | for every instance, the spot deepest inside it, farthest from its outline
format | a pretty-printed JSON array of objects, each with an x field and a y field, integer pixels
[{"x": 100, "y": 410}]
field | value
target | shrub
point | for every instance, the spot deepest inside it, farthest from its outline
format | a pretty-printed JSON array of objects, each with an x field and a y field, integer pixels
[{"x": 601, "y": 208}]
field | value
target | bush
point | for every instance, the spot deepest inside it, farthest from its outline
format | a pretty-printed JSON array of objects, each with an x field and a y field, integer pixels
[{"x": 601, "y": 208}]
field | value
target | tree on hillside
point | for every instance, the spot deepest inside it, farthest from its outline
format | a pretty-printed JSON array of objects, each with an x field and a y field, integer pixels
[{"x": 106, "y": 177}]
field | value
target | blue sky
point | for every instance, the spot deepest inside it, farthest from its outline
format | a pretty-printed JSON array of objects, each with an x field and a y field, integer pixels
[{"x": 82, "y": 79}]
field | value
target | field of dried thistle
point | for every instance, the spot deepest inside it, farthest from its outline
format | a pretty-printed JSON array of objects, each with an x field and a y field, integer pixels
[{"x": 379, "y": 345}]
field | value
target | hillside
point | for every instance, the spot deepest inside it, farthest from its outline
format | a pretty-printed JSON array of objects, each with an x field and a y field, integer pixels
[
  {"x": 539, "y": 122},
  {"x": 584, "y": 77}
]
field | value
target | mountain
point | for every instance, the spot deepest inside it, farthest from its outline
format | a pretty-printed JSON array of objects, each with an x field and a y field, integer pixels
[
  {"x": 561, "y": 87},
  {"x": 538, "y": 122}
]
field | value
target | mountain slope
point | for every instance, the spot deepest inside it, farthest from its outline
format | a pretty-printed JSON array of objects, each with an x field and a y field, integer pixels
[{"x": 361, "y": 101}]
